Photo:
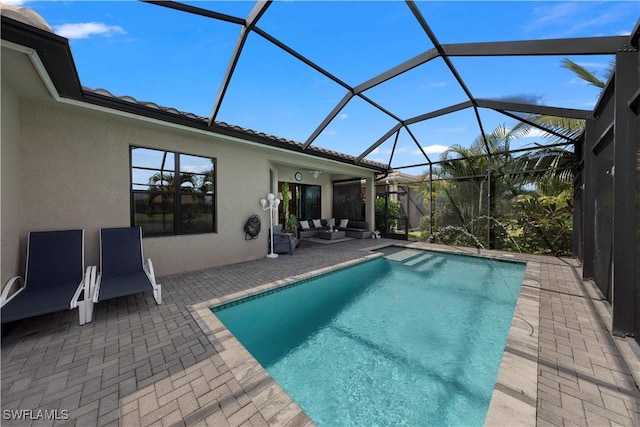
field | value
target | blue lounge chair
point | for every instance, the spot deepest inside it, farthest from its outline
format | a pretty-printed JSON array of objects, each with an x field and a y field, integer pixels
[
  {"x": 54, "y": 277},
  {"x": 122, "y": 270}
]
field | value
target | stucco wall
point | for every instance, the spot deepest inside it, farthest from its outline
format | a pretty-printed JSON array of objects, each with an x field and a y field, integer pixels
[
  {"x": 75, "y": 174},
  {"x": 10, "y": 185}
]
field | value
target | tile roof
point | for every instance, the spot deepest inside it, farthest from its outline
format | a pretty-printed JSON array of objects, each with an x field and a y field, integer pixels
[{"x": 285, "y": 143}]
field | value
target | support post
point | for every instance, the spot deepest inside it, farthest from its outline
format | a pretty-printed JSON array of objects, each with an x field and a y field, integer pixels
[{"x": 625, "y": 223}]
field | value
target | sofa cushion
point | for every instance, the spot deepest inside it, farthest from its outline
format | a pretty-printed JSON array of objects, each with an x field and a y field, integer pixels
[
  {"x": 344, "y": 223},
  {"x": 317, "y": 223},
  {"x": 304, "y": 224}
]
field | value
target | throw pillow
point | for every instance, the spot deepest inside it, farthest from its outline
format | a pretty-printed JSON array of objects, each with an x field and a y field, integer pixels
[
  {"x": 304, "y": 224},
  {"x": 343, "y": 223},
  {"x": 317, "y": 223},
  {"x": 331, "y": 222}
]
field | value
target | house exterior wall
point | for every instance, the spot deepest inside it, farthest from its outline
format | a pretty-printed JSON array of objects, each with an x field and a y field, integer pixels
[
  {"x": 75, "y": 174},
  {"x": 10, "y": 185}
]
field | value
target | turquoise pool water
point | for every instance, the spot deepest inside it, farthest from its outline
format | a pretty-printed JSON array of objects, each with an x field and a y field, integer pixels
[{"x": 416, "y": 342}]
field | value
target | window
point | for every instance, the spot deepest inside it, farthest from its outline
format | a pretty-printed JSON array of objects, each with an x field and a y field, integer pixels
[{"x": 163, "y": 204}]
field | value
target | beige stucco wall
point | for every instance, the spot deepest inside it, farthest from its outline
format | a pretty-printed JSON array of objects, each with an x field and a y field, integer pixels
[
  {"x": 10, "y": 185},
  {"x": 75, "y": 173}
]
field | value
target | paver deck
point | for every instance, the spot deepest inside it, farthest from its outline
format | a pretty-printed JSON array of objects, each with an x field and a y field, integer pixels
[{"x": 142, "y": 364}]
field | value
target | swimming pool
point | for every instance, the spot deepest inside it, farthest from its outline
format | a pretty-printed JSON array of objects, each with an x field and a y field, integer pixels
[{"x": 411, "y": 342}]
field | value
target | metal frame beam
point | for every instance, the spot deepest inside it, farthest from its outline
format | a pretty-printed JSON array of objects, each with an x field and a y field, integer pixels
[
  {"x": 534, "y": 109},
  {"x": 569, "y": 46},
  {"x": 440, "y": 112},
  {"x": 625, "y": 269},
  {"x": 425, "y": 26},
  {"x": 300, "y": 57},
  {"x": 332, "y": 115},
  {"x": 537, "y": 126},
  {"x": 505, "y": 153},
  {"x": 414, "y": 62},
  {"x": 196, "y": 11},
  {"x": 378, "y": 142},
  {"x": 393, "y": 150},
  {"x": 254, "y": 16},
  {"x": 417, "y": 143}
]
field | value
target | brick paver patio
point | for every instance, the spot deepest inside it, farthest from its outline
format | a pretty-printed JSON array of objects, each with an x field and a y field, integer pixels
[{"x": 138, "y": 363}]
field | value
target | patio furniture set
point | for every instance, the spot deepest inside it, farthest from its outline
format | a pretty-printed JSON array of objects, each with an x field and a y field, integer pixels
[
  {"x": 286, "y": 241},
  {"x": 55, "y": 278}
]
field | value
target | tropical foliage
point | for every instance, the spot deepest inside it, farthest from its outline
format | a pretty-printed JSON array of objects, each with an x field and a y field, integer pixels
[
  {"x": 522, "y": 202},
  {"x": 503, "y": 201},
  {"x": 393, "y": 209}
]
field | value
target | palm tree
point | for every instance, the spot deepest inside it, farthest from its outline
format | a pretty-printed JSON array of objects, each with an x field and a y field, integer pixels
[
  {"x": 473, "y": 171},
  {"x": 553, "y": 166}
]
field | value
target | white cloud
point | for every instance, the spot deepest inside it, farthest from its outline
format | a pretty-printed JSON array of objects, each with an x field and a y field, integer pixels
[
  {"x": 14, "y": 2},
  {"x": 568, "y": 18},
  {"x": 537, "y": 133},
  {"x": 432, "y": 85},
  {"x": 379, "y": 150},
  {"x": 433, "y": 149},
  {"x": 552, "y": 15},
  {"x": 84, "y": 30},
  {"x": 343, "y": 116}
]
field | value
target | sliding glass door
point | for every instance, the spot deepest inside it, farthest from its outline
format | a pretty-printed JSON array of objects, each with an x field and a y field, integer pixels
[{"x": 305, "y": 201}]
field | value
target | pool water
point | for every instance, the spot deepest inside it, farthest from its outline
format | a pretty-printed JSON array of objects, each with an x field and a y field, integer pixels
[{"x": 416, "y": 342}]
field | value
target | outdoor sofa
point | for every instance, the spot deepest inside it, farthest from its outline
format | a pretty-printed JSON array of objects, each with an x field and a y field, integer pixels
[{"x": 355, "y": 229}]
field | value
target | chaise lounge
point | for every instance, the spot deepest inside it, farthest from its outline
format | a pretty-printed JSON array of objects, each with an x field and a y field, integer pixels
[
  {"x": 54, "y": 277},
  {"x": 122, "y": 270}
]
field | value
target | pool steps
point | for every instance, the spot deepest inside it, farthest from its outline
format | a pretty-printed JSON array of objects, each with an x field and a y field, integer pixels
[
  {"x": 430, "y": 264},
  {"x": 420, "y": 261},
  {"x": 417, "y": 260},
  {"x": 403, "y": 255}
]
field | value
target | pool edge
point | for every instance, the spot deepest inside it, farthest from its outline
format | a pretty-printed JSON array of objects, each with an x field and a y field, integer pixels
[
  {"x": 514, "y": 397},
  {"x": 270, "y": 400},
  {"x": 515, "y": 394}
]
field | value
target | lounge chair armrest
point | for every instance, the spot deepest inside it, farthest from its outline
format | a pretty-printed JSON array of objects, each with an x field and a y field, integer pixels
[
  {"x": 86, "y": 286},
  {"x": 150, "y": 272},
  {"x": 157, "y": 289},
  {"x": 5, "y": 297},
  {"x": 94, "y": 291}
]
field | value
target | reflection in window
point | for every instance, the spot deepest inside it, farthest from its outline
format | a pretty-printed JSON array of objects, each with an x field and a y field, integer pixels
[{"x": 164, "y": 205}]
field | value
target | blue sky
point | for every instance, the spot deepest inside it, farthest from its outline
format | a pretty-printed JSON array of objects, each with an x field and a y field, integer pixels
[{"x": 178, "y": 60}]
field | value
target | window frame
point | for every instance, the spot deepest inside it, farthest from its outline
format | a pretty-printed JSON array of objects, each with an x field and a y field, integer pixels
[{"x": 176, "y": 193}]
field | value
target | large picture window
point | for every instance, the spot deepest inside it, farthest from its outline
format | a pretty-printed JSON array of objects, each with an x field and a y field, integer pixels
[{"x": 172, "y": 193}]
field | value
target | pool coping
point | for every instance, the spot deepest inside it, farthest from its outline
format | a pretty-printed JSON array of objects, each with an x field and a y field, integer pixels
[{"x": 514, "y": 397}]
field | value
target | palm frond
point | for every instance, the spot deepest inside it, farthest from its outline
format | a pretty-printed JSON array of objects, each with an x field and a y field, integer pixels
[
  {"x": 583, "y": 73},
  {"x": 571, "y": 128}
]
